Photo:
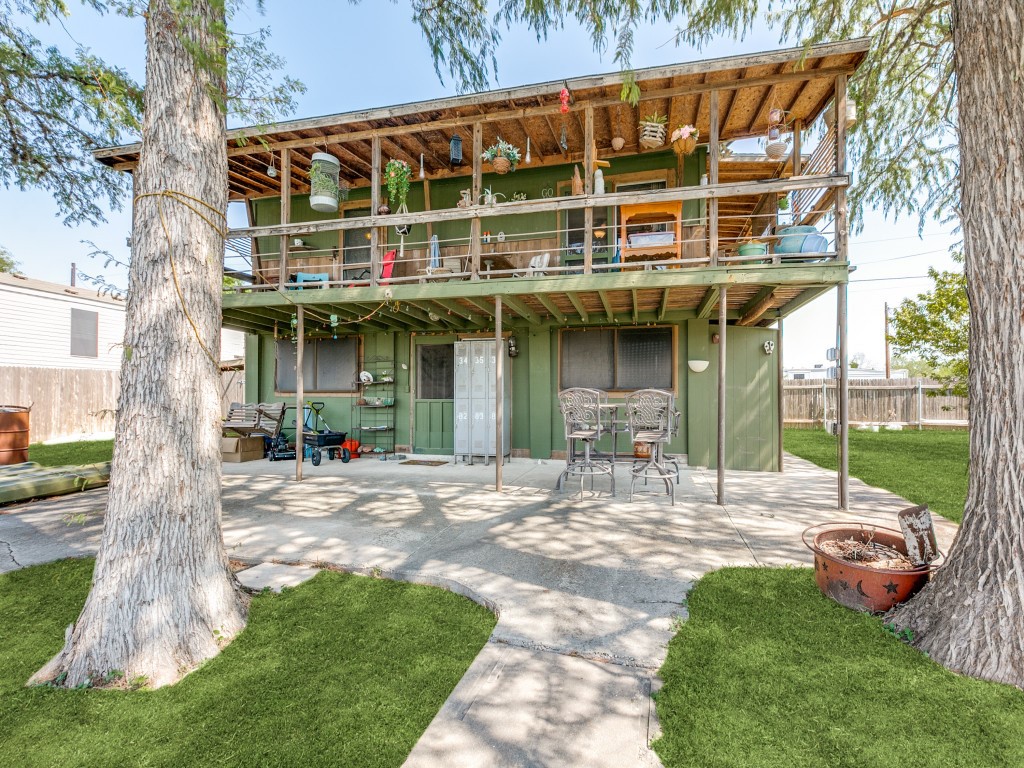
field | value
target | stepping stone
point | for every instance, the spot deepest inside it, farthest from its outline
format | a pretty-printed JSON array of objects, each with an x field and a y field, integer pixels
[{"x": 274, "y": 576}]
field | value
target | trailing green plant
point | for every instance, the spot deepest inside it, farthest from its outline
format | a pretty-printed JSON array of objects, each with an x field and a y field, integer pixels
[
  {"x": 502, "y": 148},
  {"x": 397, "y": 174},
  {"x": 321, "y": 182},
  {"x": 654, "y": 117}
]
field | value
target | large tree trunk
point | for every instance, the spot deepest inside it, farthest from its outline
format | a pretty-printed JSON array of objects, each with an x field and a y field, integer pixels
[
  {"x": 970, "y": 618},
  {"x": 163, "y": 599}
]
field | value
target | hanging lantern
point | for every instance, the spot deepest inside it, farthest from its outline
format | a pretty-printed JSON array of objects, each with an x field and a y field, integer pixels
[
  {"x": 774, "y": 133},
  {"x": 455, "y": 149}
]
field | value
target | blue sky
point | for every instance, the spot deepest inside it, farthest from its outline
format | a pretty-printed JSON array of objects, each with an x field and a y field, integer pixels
[{"x": 376, "y": 56}]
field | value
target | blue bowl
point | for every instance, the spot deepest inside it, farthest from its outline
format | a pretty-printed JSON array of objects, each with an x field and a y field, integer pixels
[{"x": 793, "y": 239}]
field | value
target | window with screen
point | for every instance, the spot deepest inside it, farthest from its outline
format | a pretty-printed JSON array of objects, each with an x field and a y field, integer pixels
[
  {"x": 328, "y": 365},
  {"x": 85, "y": 333},
  {"x": 617, "y": 359},
  {"x": 435, "y": 372}
]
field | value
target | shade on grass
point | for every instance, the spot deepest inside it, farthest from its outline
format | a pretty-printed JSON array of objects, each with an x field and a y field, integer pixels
[
  {"x": 926, "y": 467},
  {"x": 344, "y": 670},
  {"x": 768, "y": 672},
  {"x": 65, "y": 454}
]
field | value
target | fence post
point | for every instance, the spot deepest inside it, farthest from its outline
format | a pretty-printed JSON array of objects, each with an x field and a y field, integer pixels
[{"x": 920, "y": 405}]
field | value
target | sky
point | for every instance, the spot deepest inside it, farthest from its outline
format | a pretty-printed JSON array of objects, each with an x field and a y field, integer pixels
[{"x": 392, "y": 65}]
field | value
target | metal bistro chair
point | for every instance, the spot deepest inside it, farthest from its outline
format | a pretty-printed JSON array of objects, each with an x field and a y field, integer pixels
[
  {"x": 650, "y": 414},
  {"x": 581, "y": 411}
]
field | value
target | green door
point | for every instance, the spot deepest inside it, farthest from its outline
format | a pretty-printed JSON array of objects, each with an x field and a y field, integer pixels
[{"x": 434, "y": 402}]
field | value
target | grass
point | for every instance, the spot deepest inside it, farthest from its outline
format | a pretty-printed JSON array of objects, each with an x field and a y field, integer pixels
[
  {"x": 768, "y": 672},
  {"x": 344, "y": 670},
  {"x": 62, "y": 454},
  {"x": 926, "y": 467}
]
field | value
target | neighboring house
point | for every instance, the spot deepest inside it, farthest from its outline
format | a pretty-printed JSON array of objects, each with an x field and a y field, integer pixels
[
  {"x": 619, "y": 283},
  {"x": 60, "y": 351},
  {"x": 829, "y": 372}
]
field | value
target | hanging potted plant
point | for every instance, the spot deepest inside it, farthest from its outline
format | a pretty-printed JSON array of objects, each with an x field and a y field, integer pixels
[
  {"x": 776, "y": 145},
  {"x": 684, "y": 139},
  {"x": 397, "y": 174},
  {"x": 502, "y": 156},
  {"x": 652, "y": 130},
  {"x": 324, "y": 170}
]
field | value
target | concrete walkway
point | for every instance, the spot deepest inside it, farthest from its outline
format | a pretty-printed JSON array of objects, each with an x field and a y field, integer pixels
[{"x": 587, "y": 592}]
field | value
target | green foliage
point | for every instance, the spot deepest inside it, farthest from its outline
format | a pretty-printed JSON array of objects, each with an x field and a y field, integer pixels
[
  {"x": 935, "y": 328},
  {"x": 655, "y": 118},
  {"x": 321, "y": 182},
  {"x": 342, "y": 670},
  {"x": 397, "y": 174},
  {"x": 7, "y": 262},
  {"x": 504, "y": 149},
  {"x": 767, "y": 672},
  {"x": 71, "y": 454},
  {"x": 926, "y": 467}
]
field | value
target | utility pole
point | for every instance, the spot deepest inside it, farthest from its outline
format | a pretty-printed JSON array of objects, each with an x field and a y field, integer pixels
[{"x": 888, "y": 359}]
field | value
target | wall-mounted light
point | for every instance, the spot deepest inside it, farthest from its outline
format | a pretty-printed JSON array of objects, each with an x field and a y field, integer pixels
[
  {"x": 769, "y": 347},
  {"x": 698, "y": 366},
  {"x": 715, "y": 338},
  {"x": 455, "y": 149},
  {"x": 513, "y": 346}
]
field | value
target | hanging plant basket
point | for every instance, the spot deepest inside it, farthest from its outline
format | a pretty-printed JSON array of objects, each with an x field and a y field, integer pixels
[
  {"x": 685, "y": 146},
  {"x": 652, "y": 135},
  {"x": 402, "y": 229},
  {"x": 324, "y": 172},
  {"x": 501, "y": 165},
  {"x": 776, "y": 150}
]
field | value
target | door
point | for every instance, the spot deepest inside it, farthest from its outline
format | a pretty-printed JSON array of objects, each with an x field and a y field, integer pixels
[{"x": 434, "y": 404}]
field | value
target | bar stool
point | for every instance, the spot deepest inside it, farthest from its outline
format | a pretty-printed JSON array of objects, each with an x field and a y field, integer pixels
[
  {"x": 650, "y": 414},
  {"x": 581, "y": 413}
]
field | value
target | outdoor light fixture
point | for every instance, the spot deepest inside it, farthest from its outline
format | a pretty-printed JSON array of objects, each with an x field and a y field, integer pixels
[
  {"x": 599, "y": 234},
  {"x": 455, "y": 149},
  {"x": 423, "y": 173},
  {"x": 513, "y": 346},
  {"x": 697, "y": 366},
  {"x": 715, "y": 338}
]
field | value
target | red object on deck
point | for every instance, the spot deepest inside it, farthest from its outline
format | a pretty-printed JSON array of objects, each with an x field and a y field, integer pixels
[{"x": 389, "y": 267}]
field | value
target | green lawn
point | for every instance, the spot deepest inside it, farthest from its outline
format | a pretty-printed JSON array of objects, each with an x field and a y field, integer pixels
[
  {"x": 926, "y": 467},
  {"x": 344, "y": 670},
  {"x": 767, "y": 672},
  {"x": 62, "y": 454}
]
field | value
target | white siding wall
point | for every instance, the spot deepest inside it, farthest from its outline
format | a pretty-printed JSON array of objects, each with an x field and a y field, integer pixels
[{"x": 35, "y": 330}]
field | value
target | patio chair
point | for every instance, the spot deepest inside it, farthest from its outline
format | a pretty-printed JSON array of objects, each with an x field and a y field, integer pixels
[
  {"x": 581, "y": 413},
  {"x": 254, "y": 419},
  {"x": 538, "y": 266},
  {"x": 651, "y": 415}
]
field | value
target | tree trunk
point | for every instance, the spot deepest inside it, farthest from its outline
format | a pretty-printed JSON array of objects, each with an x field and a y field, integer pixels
[
  {"x": 163, "y": 599},
  {"x": 970, "y": 618}
]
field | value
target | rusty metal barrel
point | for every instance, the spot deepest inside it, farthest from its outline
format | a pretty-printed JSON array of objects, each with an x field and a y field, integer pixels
[{"x": 14, "y": 426}]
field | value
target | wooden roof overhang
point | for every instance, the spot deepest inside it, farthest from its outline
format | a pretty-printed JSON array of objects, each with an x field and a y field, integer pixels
[
  {"x": 756, "y": 295},
  {"x": 797, "y": 80}
]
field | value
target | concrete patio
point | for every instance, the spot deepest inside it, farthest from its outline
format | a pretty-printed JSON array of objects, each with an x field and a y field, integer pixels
[{"x": 587, "y": 592}]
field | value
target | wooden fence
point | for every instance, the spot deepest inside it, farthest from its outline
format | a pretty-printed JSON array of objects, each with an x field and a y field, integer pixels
[
  {"x": 917, "y": 403},
  {"x": 67, "y": 402}
]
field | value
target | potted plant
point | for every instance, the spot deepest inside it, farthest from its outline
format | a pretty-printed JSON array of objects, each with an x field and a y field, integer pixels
[
  {"x": 684, "y": 139},
  {"x": 490, "y": 197},
  {"x": 397, "y": 174},
  {"x": 502, "y": 156},
  {"x": 652, "y": 130},
  {"x": 324, "y": 172}
]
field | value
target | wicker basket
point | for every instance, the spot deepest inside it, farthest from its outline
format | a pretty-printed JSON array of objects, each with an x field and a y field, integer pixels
[
  {"x": 501, "y": 164},
  {"x": 776, "y": 150},
  {"x": 684, "y": 146},
  {"x": 652, "y": 135}
]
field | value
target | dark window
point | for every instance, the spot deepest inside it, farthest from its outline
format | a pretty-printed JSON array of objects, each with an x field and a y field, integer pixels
[
  {"x": 328, "y": 365},
  {"x": 435, "y": 372},
  {"x": 617, "y": 359},
  {"x": 85, "y": 333}
]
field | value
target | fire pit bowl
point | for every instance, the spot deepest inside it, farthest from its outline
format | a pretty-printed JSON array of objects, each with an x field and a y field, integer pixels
[{"x": 855, "y": 584}]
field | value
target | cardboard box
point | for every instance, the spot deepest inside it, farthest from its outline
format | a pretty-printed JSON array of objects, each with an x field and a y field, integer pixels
[{"x": 238, "y": 449}]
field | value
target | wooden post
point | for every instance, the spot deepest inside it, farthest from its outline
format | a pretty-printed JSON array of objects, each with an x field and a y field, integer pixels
[
  {"x": 780, "y": 372},
  {"x": 374, "y": 205},
  {"x": 798, "y": 160},
  {"x": 474, "y": 224},
  {"x": 286, "y": 214},
  {"x": 920, "y": 405},
  {"x": 722, "y": 324},
  {"x": 588, "y": 189},
  {"x": 499, "y": 396},
  {"x": 888, "y": 355},
  {"x": 842, "y": 253},
  {"x": 299, "y": 394},
  {"x": 713, "y": 179}
]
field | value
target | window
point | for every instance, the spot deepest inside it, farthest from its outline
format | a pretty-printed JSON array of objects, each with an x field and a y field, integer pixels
[
  {"x": 328, "y": 365},
  {"x": 617, "y": 359},
  {"x": 85, "y": 333},
  {"x": 435, "y": 372}
]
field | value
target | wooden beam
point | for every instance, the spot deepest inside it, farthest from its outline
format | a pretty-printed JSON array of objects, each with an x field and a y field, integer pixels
[
  {"x": 299, "y": 393},
  {"x": 754, "y": 309},
  {"x": 474, "y": 225},
  {"x": 713, "y": 157},
  {"x": 588, "y": 189},
  {"x": 579, "y": 306},
  {"x": 552, "y": 309},
  {"x": 709, "y": 300},
  {"x": 609, "y": 313},
  {"x": 723, "y": 327},
  {"x": 286, "y": 213},
  {"x": 482, "y": 304},
  {"x": 454, "y": 308},
  {"x": 664, "y": 304},
  {"x": 375, "y": 181},
  {"x": 805, "y": 298},
  {"x": 517, "y": 306},
  {"x": 636, "y": 306}
]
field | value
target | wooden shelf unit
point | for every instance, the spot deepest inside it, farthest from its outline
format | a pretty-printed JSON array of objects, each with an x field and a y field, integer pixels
[{"x": 651, "y": 213}]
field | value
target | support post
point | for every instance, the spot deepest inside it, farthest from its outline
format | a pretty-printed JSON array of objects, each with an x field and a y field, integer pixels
[
  {"x": 722, "y": 325},
  {"x": 920, "y": 405},
  {"x": 888, "y": 354},
  {"x": 286, "y": 214},
  {"x": 713, "y": 154},
  {"x": 780, "y": 373},
  {"x": 374, "y": 205},
  {"x": 588, "y": 189},
  {"x": 499, "y": 396},
  {"x": 299, "y": 394},
  {"x": 474, "y": 224},
  {"x": 842, "y": 253}
]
